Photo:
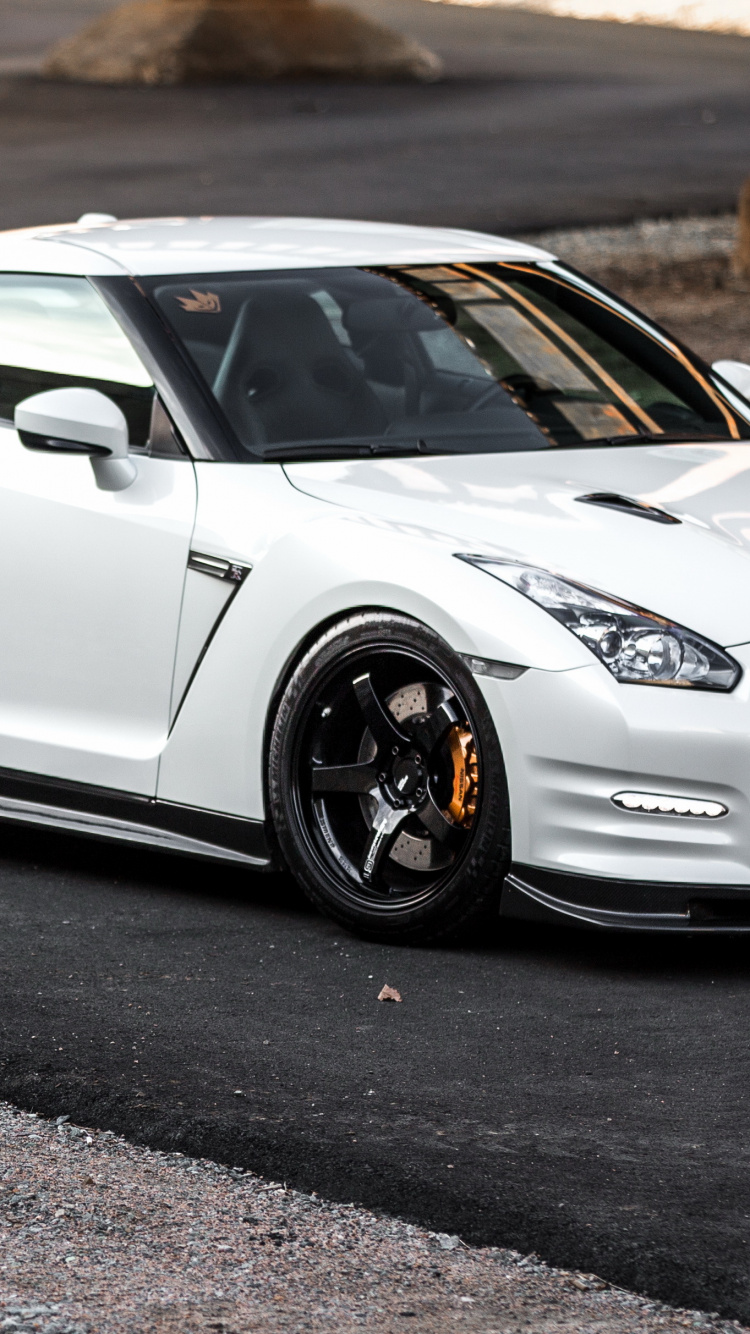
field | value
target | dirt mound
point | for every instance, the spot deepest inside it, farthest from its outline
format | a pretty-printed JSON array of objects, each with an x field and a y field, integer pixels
[{"x": 199, "y": 41}]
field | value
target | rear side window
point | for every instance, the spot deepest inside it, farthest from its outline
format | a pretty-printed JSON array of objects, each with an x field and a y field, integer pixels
[{"x": 56, "y": 332}]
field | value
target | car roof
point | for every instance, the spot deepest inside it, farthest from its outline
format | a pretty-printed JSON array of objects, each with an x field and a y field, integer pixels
[{"x": 145, "y": 246}]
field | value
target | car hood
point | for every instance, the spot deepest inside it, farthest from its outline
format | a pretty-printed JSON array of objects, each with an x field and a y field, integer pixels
[{"x": 526, "y": 506}]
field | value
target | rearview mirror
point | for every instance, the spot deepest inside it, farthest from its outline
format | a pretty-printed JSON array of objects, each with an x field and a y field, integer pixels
[
  {"x": 736, "y": 373},
  {"x": 79, "y": 421}
]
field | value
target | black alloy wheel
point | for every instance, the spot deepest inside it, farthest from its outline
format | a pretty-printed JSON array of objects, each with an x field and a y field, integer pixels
[{"x": 386, "y": 781}]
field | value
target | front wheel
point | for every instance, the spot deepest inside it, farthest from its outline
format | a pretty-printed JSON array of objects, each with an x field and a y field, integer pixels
[{"x": 387, "y": 784}]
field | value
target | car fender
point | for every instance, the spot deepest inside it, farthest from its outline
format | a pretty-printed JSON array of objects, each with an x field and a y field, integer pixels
[{"x": 319, "y": 563}]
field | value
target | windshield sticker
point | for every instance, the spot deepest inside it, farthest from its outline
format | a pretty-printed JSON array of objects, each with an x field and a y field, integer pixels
[
  {"x": 533, "y": 350},
  {"x": 594, "y": 420},
  {"x": 204, "y": 303}
]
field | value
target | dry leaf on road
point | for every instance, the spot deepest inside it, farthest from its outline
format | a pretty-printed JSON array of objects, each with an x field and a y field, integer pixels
[{"x": 389, "y": 993}]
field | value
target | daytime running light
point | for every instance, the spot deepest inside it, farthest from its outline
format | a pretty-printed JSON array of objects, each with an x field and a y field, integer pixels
[{"x": 653, "y": 804}]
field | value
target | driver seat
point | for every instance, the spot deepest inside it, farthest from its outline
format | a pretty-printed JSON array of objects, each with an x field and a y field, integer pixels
[{"x": 285, "y": 376}]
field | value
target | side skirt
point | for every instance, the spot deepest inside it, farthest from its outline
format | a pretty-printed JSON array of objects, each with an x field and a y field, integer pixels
[{"x": 75, "y": 808}]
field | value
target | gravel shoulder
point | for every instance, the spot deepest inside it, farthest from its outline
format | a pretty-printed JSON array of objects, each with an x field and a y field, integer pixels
[{"x": 98, "y": 1235}]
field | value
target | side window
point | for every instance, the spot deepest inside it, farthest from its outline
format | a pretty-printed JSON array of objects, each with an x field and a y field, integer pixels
[{"x": 56, "y": 332}]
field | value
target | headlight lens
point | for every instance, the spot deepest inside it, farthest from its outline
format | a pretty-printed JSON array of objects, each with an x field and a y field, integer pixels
[{"x": 635, "y": 645}]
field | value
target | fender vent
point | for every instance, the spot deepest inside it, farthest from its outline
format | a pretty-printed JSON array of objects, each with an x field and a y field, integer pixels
[{"x": 217, "y": 567}]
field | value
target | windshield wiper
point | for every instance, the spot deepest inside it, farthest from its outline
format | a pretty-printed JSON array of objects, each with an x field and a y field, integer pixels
[
  {"x": 391, "y": 446},
  {"x": 338, "y": 449},
  {"x": 654, "y": 438}
]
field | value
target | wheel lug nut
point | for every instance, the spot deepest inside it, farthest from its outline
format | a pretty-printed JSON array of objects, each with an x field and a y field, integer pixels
[
  {"x": 381, "y": 778},
  {"x": 395, "y": 750}
]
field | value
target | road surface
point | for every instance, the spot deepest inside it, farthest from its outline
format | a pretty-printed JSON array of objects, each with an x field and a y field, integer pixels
[
  {"x": 540, "y": 121},
  {"x": 576, "y": 1095}
]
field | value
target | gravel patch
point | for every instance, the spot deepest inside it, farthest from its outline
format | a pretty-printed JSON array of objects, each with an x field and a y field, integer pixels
[
  {"x": 678, "y": 271},
  {"x": 651, "y": 243},
  {"x": 99, "y": 1235}
]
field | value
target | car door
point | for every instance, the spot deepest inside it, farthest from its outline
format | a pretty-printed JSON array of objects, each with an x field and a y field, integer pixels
[{"x": 91, "y": 581}]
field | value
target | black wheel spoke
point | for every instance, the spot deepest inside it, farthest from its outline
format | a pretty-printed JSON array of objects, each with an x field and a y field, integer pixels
[
  {"x": 385, "y": 830},
  {"x": 378, "y": 718},
  {"x": 361, "y": 778},
  {"x": 450, "y": 835},
  {"x": 429, "y": 729}
]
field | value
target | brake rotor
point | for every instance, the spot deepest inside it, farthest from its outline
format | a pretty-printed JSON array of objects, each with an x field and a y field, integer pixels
[{"x": 410, "y": 850}]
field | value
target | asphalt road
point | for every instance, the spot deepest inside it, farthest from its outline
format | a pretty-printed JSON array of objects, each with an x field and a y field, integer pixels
[
  {"x": 540, "y": 121},
  {"x": 580, "y": 1096}
]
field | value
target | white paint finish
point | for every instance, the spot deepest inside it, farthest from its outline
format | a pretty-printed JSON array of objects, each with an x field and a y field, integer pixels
[
  {"x": 90, "y": 590},
  {"x": 221, "y": 245},
  {"x": 571, "y": 740},
  {"x": 244, "y": 509},
  {"x": 524, "y": 506},
  {"x": 203, "y": 601},
  {"x": 35, "y": 250},
  {"x": 736, "y": 373},
  {"x": 83, "y": 416}
]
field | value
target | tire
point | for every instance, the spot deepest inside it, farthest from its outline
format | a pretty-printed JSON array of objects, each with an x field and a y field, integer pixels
[{"x": 386, "y": 782}]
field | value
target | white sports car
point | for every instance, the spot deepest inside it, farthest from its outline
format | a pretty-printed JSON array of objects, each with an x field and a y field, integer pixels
[{"x": 409, "y": 559}]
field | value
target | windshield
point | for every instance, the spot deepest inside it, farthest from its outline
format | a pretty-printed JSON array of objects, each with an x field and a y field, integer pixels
[{"x": 457, "y": 358}]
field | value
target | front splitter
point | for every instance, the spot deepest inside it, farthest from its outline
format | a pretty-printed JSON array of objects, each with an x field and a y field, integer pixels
[{"x": 534, "y": 894}]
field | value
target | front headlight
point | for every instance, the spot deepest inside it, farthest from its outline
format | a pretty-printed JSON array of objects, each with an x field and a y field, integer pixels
[{"x": 636, "y": 646}]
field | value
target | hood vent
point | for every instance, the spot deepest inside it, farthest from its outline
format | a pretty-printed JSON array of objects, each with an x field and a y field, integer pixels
[{"x": 611, "y": 501}]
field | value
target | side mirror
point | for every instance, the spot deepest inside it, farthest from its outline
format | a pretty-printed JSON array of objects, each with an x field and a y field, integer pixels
[
  {"x": 736, "y": 373},
  {"x": 79, "y": 421}
]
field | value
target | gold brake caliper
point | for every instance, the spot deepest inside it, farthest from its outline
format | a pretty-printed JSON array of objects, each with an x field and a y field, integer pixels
[{"x": 463, "y": 804}]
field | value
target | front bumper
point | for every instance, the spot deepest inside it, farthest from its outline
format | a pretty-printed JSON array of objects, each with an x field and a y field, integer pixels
[
  {"x": 572, "y": 740},
  {"x": 533, "y": 895}
]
